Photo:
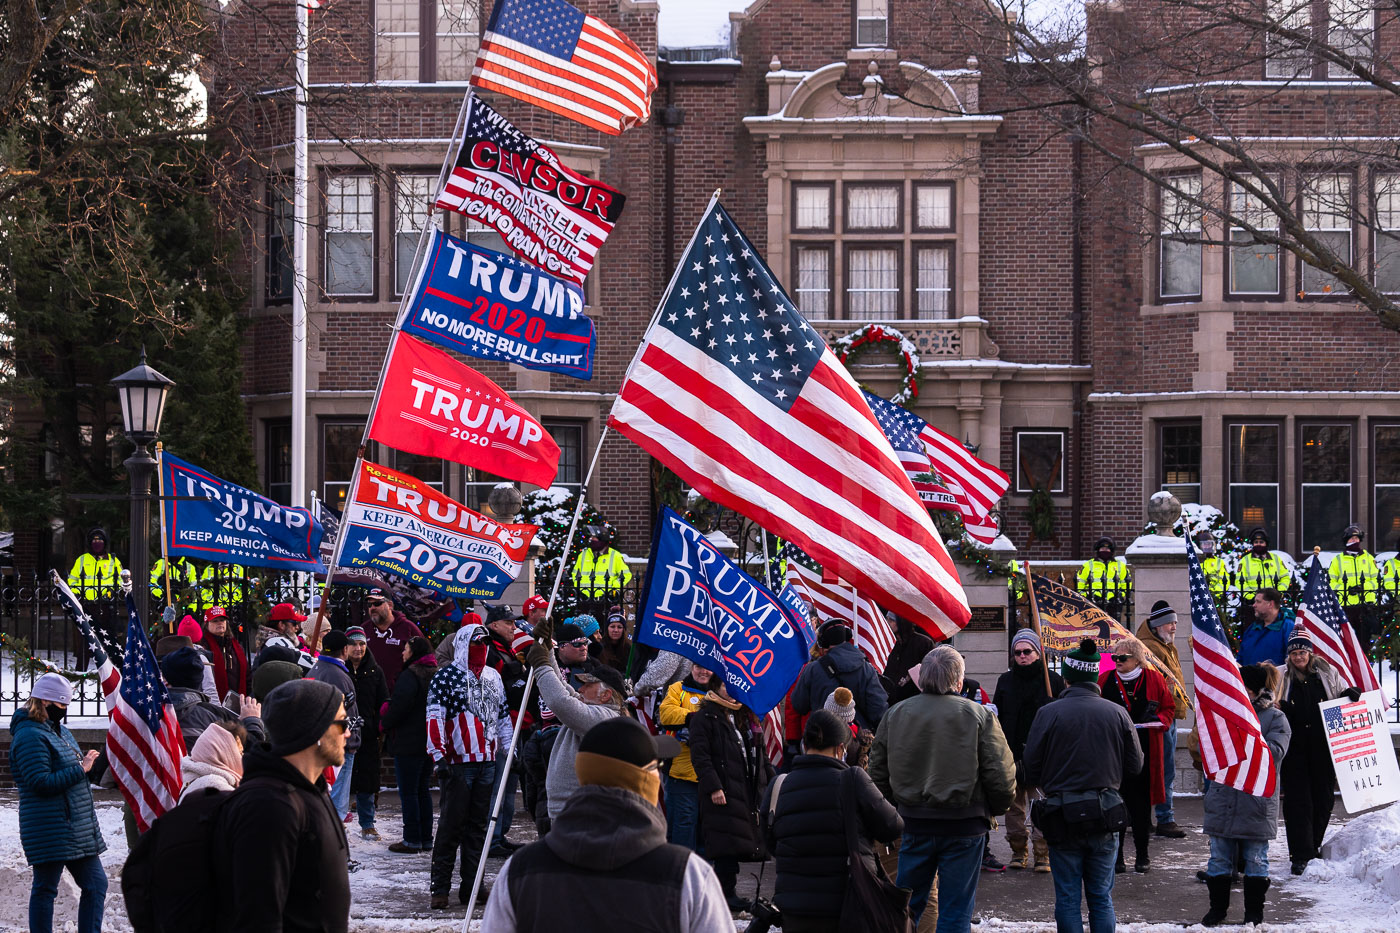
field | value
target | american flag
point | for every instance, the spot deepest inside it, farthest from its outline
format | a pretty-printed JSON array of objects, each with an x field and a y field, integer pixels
[
  {"x": 902, "y": 430},
  {"x": 1349, "y": 731},
  {"x": 553, "y": 55},
  {"x": 1233, "y": 750},
  {"x": 975, "y": 483},
  {"x": 835, "y": 601},
  {"x": 773, "y": 735},
  {"x": 1333, "y": 638},
  {"x": 468, "y": 720},
  {"x": 144, "y": 742},
  {"x": 741, "y": 397}
]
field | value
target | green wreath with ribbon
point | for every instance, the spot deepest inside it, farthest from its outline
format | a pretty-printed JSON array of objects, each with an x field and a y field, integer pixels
[{"x": 851, "y": 345}]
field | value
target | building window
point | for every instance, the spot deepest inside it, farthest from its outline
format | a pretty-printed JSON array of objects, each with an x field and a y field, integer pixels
[
  {"x": 933, "y": 290},
  {"x": 413, "y": 205},
  {"x": 1324, "y": 480},
  {"x": 1348, "y": 29},
  {"x": 1286, "y": 57},
  {"x": 1254, "y": 266},
  {"x": 811, "y": 208},
  {"x": 1180, "y": 472},
  {"x": 1387, "y": 232},
  {"x": 1252, "y": 465},
  {"x": 277, "y": 460},
  {"x": 1180, "y": 240},
  {"x": 872, "y": 23},
  {"x": 813, "y": 274},
  {"x": 431, "y": 470},
  {"x": 569, "y": 436},
  {"x": 1327, "y": 216},
  {"x": 1351, "y": 29},
  {"x": 1385, "y": 471},
  {"x": 350, "y": 235},
  {"x": 933, "y": 207},
  {"x": 340, "y": 447},
  {"x": 456, "y": 39},
  {"x": 873, "y": 208},
  {"x": 397, "y": 53},
  {"x": 1040, "y": 461},
  {"x": 400, "y": 54},
  {"x": 872, "y": 283},
  {"x": 280, "y": 229},
  {"x": 478, "y": 234},
  {"x": 477, "y": 485}
]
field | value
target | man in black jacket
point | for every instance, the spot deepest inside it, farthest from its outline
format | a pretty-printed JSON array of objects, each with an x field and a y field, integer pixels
[
  {"x": 840, "y": 664},
  {"x": 910, "y": 646},
  {"x": 281, "y": 841},
  {"x": 1082, "y": 744},
  {"x": 1020, "y": 694}
]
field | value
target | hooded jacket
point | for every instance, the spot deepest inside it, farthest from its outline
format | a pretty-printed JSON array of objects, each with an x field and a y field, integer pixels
[
  {"x": 468, "y": 719},
  {"x": 1233, "y": 814},
  {"x": 195, "y": 713},
  {"x": 682, "y": 699},
  {"x": 577, "y": 717},
  {"x": 606, "y": 851},
  {"x": 405, "y": 717},
  {"x": 387, "y": 646},
  {"x": 57, "y": 822},
  {"x": 852, "y": 671}
]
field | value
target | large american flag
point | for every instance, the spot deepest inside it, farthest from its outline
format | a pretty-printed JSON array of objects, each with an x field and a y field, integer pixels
[
  {"x": 741, "y": 397},
  {"x": 976, "y": 484},
  {"x": 553, "y": 55},
  {"x": 836, "y": 601},
  {"x": 902, "y": 428},
  {"x": 1233, "y": 750},
  {"x": 1333, "y": 638},
  {"x": 144, "y": 742}
]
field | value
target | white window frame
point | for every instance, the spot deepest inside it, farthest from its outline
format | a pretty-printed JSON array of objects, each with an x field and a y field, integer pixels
[
  {"x": 1322, "y": 218},
  {"x": 413, "y": 203},
  {"x": 1179, "y": 222},
  {"x": 1385, "y": 227},
  {"x": 467, "y": 36},
  {"x": 946, "y": 290},
  {"x": 855, "y": 295},
  {"x": 1286, "y": 60},
  {"x": 335, "y": 224},
  {"x": 869, "y": 13},
  {"x": 805, "y": 287},
  {"x": 411, "y": 70},
  {"x": 1245, "y": 205}
]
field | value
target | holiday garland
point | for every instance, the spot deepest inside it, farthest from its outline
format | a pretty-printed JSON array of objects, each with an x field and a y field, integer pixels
[
  {"x": 849, "y": 346},
  {"x": 32, "y": 664}
]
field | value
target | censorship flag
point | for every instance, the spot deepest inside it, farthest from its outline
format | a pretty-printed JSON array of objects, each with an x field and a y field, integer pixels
[
  {"x": 433, "y": 405},
  {"x": 144, "y": 742},
  {"x": 1233, "y": 750},
  {"x": 834, "y": 601},
  {"x": 551, "y": 54},
  {"x": 1333, "y": 638},
  {"x": 547, "y": 213},
  {"x": 741, "y": 397}
]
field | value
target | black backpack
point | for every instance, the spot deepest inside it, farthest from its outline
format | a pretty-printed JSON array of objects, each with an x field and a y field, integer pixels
[{"x": 169, "y": 879}]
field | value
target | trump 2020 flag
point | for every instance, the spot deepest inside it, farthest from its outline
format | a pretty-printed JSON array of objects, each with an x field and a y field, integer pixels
[
  {"x": 699, "y": 604},
  {"x": 742, "y": 398},
  {"x": 486, "y": 304},
  {"x": 401, "y": 525},
  {"x": 430, "y": 404}
]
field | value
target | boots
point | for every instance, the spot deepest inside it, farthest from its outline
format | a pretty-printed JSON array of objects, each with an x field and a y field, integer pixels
[
  {"x": 1219, "y": 888},
  {"x": 1019, "y": 857},
  {"x": 1254, "y": 891},
  {"x": 1042, "y": 855},
  {"x": 1143, "y": 863},
  {"x": 1118, "y": 866}
]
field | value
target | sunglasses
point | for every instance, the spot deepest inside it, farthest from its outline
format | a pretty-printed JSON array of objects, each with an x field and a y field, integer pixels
[
  {"x": 578, "y": 643},
  {"x": 344, "y": 725},
  {"x": 375, "y": 602},
  {"x": 1117, "y": 658},
  {"x": 1019, "y": 652}
]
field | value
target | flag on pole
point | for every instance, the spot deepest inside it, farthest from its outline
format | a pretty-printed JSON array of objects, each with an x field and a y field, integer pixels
[
  {"x": 144, "y": 742},
  {"x": 902, "y": 429},
  {"x": 1233, "y": 750},
  {"x": 835, "y": 601},
  {"x": 773, "y": 735},
  {"x": 975, "y": 483},
  {"x": 1333, "y": 638},
  {"x": 553, "y": 55},
  {"x": 742, "y": 398}
]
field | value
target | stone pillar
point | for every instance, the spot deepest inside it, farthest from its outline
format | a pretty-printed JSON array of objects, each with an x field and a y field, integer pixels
[{"x": 985, "y": 640}]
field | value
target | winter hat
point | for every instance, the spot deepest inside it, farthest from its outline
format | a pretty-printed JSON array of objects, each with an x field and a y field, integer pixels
[
  {"x": 1028, "y": 636},
  {"x": 53, "y": 688},
  {"x": 354, "y": 633},
  {"x": 616, "y": 752},
  {"x": 497, "y": 614},
  {"x": 842, "y": 705},
  {"x": 833, "y": 633},
  {"x": 534, "y": 602},
  {"x": 588, "y": 623},
  {"x": 1255, "y": 677},
  {"x": 334, "y": 642},
  {"x": 183, "y": 668},
  {"x": 217, "y": 746},
  {"x": 1300, "y": 639},
  {"x": 285, "y": 612},
  {"x": 1081, "y": 666},
  {"x": 1162, "y": 614},
  {"x": 546, "y": 714},
  {"x": 825, "y": 729},
  {"x": 471, "y": 618},
  {"x": 172, "y": 643},
  {"x": 190, "y": 629},
  {"x": 616, "y": 615},
  {"x": 298, "y": 712},
  {"x": 521, "y": 643},
  {"x": 271, "y": 674},
  {"x": 567, "y": 633}
]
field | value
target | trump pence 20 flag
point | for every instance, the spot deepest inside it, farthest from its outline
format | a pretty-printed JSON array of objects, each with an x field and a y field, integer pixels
[{"x": 743, "y": 399}]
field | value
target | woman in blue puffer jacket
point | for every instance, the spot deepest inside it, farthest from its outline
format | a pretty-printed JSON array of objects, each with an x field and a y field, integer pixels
[{"x": 57, "y": 822}]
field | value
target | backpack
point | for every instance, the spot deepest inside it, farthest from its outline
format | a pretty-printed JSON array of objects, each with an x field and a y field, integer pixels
[{"x": 179, "y": 844}]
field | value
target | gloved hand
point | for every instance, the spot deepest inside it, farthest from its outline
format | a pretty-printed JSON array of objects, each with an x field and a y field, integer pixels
[
  {"x": 544, "y": 633},
  {"x": 538, "y": 655},
  {"x": 1352, "y": 694},
  {"x": 443, "y": 770}
]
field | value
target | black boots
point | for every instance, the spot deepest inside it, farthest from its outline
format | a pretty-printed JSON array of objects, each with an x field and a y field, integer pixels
[
  {"x": 1219, "y": 888},
  {"x": 1254, "y": 891}
]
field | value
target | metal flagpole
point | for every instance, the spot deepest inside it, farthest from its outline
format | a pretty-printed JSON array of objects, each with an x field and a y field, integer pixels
[
  {"x": 299, "y": 253},
  {"x": 164, "y": 552},
  {"x": 1035, "y": 624}
]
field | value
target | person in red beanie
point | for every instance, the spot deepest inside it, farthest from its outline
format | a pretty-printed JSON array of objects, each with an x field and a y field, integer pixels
[{"x": 230, "y": 663}]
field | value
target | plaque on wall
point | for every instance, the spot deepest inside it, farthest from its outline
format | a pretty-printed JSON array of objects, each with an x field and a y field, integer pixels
[{"x": 987, "y": 619}]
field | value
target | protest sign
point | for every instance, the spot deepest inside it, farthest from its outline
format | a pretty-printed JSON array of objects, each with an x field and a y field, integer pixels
[
  {"x": 212, "y": 519},
  {"x": 699, "y": 604},
  {"x": 1359, "y": 739},
  {"x": 486, "y": 304},
  {"x": 400, "y": 525}
]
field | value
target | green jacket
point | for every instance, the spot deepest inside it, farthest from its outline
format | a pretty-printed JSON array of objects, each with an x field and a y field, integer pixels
[{"x": 943, "y": 757}]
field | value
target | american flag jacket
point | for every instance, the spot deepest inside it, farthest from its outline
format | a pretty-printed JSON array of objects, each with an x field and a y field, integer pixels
[{"x": 468, "y": 719}]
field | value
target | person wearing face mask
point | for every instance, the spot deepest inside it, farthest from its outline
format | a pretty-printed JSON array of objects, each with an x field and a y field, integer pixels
[
  {"x": 1216, "y": 571},
  {"x": 1260, "y": 569},
  {"x": 230, "y": 663},
  {"x": 95, "y": 573},
  {"x": 1103, "y": 580},
  {"x": 57, "y": 823},
  {"x": 1355, "y": 579}
]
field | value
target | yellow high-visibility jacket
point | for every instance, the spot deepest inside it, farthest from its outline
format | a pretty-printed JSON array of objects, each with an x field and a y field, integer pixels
[
  {"x": 95, "y": 577},
  {"x": 1103, "y": 579},
  {"x": 227, "y": 589},
  {"x": 1217, "y": 575},
  {"x": 596, "y": 574},
  {"x": 1355, "y": 578},
  {"x": 182, "y": 575},
  {"x": 1262, "y": 573}
]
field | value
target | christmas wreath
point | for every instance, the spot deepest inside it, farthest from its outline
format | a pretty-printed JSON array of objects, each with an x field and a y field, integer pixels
[{"x": 873, "y": 334}]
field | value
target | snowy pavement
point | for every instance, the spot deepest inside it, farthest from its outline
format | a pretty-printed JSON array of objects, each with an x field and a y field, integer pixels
[{"x": 1357, "y": 891}]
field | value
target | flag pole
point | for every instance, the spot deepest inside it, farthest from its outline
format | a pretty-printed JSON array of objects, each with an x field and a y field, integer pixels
[
  {"x": 160, "y": 499},
  {"x": 1035, "y": 626}
]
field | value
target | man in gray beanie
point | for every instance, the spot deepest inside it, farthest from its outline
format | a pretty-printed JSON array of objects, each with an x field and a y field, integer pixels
[
  {"x": 1021, "y": 692},
  {"x": 282, "y": 842}
]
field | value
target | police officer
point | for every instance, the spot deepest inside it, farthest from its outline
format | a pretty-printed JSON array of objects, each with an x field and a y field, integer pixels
[
  {"x": 601, "y": 568},
  {"x": 183, "y": 578},
  {"x": 1260, "y": 569},
  {"x": 1216, "y": 571},
  {"x": 95, "y": 573},
  {"x": 1355, "y": 579},
  {"x": 1104, "y": 580},
  {"x": 223, "y": 584}
]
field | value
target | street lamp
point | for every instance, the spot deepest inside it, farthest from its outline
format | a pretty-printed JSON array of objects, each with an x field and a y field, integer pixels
[{"x": 142, "y": 391}]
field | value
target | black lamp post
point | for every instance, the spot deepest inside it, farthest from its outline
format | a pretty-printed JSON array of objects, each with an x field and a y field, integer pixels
[{"x": 142, "y": 391}]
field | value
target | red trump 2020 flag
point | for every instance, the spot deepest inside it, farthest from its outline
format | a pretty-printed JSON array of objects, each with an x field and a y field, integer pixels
[
  {"x": 435, "y": 406},
  {"x": 739, "y": 395}
]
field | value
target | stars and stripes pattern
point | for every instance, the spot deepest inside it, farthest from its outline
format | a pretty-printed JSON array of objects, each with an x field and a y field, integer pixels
[
  {"x": 1333, "y": 638},
  {"x": 468, "y": 719},
  {"x": 1349, "y": 731},
  {"x": 837, "y": 601},
  {"x": 1233, "y": 750},
  {"x": 902, "y": 429},
  {"x": 976, "y": 484},
  {"x": 773, "y": 735},
  {"x": 144, "y": 742},
  {"x": 553, "y": 55},
  {"x": 739, "y": 395}
]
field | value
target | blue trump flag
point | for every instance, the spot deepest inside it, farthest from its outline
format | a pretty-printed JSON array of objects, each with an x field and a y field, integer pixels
[
  {"x": 699, "y": 604},
  {"x": 208, "y": 518},
  {"x": 489, "y": 305}
]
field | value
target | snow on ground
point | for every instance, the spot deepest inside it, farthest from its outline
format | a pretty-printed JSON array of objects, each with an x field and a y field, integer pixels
[{"x": 15, "y": 876}]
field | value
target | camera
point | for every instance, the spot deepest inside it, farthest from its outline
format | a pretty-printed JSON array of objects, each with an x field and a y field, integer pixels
[{"x": 765, "y": 916}]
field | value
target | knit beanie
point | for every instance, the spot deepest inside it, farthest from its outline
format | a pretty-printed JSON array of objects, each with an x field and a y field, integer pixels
[
  {"x": 587, "y": 623},
  {"x": 833, "y": 633},
  {"x": 53, "y": 688},
  {"x": 842, "y": 705},
  {"x": 1300, "y": 640},
  {"x": 1162, "y": 614},
  {"x": 190, "y": 628},
  {"x": 298, "y": 712},
  {"x": 1081, "y": 666},
  {"x": 1255, "y": 677},
  {"x": 183, "y": 668},
  {"x": 825, "y": 730},
  {"x": 1028, "y": 636},
  {"x": 271, "y": 674}
]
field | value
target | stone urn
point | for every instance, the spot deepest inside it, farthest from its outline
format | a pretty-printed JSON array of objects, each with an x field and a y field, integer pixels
[{"x": 1164, "y": 509}]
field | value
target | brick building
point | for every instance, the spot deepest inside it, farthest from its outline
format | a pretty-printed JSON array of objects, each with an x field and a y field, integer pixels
[{"x": 882, "y": 156}]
